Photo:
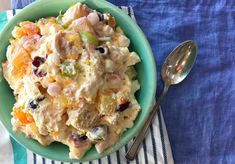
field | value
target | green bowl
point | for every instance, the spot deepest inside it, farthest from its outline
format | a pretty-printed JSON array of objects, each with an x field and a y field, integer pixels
[{"x": 146, "y": 75}]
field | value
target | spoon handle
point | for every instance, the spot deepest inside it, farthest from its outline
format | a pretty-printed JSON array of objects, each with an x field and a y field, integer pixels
[{"x": 130, "y": 155}]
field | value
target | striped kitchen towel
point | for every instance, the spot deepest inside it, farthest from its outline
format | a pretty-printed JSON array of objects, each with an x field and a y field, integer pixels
[{"x": 154, "y": 150}]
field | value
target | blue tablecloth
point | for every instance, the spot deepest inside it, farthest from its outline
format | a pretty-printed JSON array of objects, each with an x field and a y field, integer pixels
[{"x": 199, "y": 112}]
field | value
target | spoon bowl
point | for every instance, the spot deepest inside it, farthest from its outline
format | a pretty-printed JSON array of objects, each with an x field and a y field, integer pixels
[{"x": 179, "y": 63}]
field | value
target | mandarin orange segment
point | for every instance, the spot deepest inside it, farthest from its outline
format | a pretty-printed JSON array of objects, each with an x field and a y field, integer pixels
[
  {"x": 25, "y": 118},
  {"x": 20, "y": 64},
  {"x": 21, "y": 60},
  {"x": 68, "y": 82},
  {"x": 26, "y": 28}
]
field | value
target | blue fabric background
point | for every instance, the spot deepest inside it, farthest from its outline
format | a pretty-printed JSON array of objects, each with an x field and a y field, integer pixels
[{"x": 200, "y": 112}]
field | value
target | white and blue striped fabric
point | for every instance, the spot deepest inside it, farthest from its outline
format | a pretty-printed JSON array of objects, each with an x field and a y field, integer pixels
[{"x": 154, "y": 150}]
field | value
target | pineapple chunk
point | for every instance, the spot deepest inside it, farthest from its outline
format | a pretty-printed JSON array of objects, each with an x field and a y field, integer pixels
[{"x": 107, "y": 103}]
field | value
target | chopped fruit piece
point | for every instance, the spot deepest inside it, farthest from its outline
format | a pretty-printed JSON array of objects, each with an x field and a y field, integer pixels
[
  {"x": 98, "y": 133},
  {"x": 26, "y": 28},
  {"x": 25, "y": 118},
  {"x": 21, "y": 60},
  {"x": 37, "y": 61},
  {"x": 88, "y": 37},
  {"x": 69, "y": 68},
  {"x": 124, "y": 106}
]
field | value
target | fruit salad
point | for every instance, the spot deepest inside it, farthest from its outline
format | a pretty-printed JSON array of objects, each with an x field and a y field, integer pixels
[{"x": 74, "y": 80}]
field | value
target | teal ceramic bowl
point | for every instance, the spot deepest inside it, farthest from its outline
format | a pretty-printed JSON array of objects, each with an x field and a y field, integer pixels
[{"x": 146, "y": 75}]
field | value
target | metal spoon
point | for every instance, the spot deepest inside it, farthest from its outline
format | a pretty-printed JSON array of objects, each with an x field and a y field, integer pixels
[{"x": 174, "y": 70}]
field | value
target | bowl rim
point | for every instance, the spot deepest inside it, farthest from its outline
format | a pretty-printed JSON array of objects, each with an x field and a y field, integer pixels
[{"x": 149, "y": 54}]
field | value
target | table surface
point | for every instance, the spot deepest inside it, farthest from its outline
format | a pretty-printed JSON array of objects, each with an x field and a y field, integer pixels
[{"x": 199, "y": 112}]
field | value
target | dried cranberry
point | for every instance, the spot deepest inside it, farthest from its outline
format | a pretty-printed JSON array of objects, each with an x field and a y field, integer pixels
[
  {"x": 83, "y": 137},
  {"x": 123, "y": 106},
  {"x": 40, "y": 98},
  {"x": 79, "y": 140},
  {"x": 35, "y": 70},
  {"x": 37, "y": 61},
  {"x": 101, "y": 16},
  {"x": 78, "y": 137},
  {"x": 39, "y": 73}
]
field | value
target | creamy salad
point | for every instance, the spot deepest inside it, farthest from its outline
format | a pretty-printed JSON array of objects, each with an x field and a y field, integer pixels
[{"x": 73, "y": 80}]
